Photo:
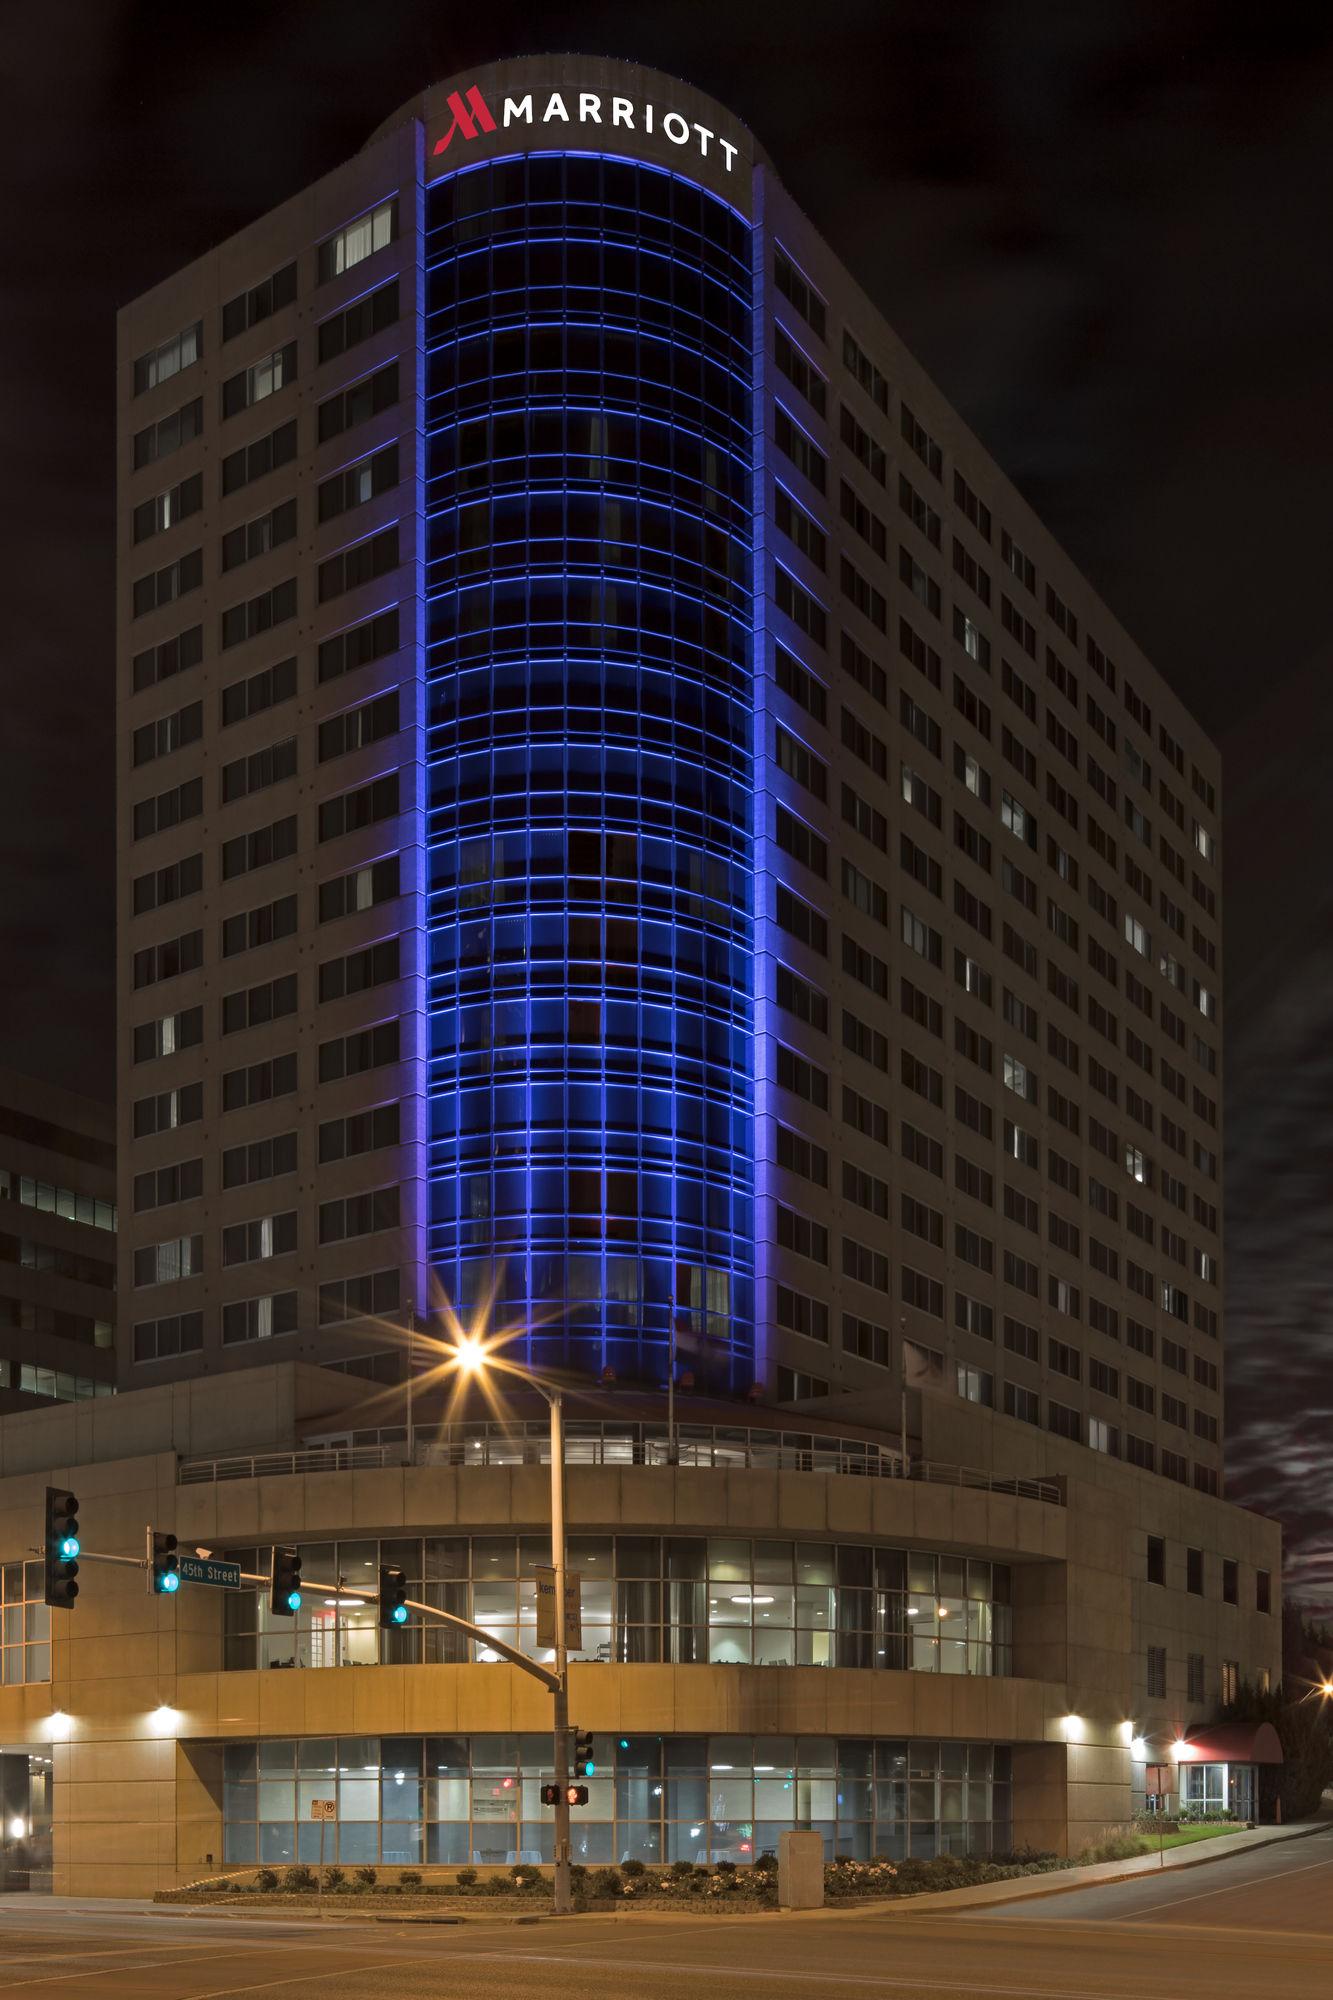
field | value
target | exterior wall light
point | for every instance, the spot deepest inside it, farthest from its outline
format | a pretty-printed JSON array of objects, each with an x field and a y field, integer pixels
[{"x": 1072, "y": 1726}]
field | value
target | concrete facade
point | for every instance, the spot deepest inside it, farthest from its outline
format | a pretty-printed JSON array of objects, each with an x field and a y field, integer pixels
[{"x": 140, "y": 1705}]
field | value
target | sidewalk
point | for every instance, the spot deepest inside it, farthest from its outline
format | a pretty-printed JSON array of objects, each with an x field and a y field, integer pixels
[{"x": 1198, "y": 1855}]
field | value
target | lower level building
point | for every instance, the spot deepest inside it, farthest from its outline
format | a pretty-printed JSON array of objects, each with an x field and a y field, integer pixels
[{"x": 784, "y": 1623}]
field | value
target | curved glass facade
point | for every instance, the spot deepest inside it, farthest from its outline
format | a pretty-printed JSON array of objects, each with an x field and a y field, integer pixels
[
  {"x": 720, "y": 1600},
  {"x": 403, "y": 1800},
  {"x": 589, "y": 418}
]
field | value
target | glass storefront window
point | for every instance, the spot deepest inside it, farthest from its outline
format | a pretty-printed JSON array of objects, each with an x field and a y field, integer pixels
[
  {"x": 674, "y": 1797},
  {"x": 729, "y": 1600}
]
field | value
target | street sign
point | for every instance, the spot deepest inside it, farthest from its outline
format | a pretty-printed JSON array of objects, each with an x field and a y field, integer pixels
[
  {"x": 322, "y": 1809},
  {"x": 205, "y": 1569},
  {"x": 546, "y": 1608}
]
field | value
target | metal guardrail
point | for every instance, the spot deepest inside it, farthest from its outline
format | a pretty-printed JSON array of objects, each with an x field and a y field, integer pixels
[{"x": 700, "y": 1448}]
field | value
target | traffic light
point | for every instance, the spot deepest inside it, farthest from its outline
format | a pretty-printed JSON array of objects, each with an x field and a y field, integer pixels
[
  {"x": 62, "y": 1547},
  {"x": 574, "y": 1795},
  {"x": 393, "y": 1599},
  {"x": 164, "y": 1570},
  {"x": 585, "y": 1764},
  {"x": 284, "y": 1582}
]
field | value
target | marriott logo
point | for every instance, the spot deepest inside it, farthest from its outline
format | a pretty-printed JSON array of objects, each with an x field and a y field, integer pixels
[{"x": 472, "y": 114}]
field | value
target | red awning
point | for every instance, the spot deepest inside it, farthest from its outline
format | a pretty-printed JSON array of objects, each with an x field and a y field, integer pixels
[{"x": 1231, "y": 1743}]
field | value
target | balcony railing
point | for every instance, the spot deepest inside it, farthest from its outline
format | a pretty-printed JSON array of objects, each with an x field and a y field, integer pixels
[{"x": 706, "y": 1446}]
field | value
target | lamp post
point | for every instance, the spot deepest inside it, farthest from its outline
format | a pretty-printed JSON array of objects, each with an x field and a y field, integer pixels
[{"x": 472, "y": 1358}]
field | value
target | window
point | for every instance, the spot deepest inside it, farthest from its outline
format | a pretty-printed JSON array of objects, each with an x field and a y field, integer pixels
[
  {"x": 858, "y": 362},
  {"x": 803, "y": 452},
  {"x": 362, "y": 1132},
  {"x": 353, "y": 1298},
  {"x": 163, "y": 1339},
  {"x": 1194, "y": 1571},
  {"x": 362, "y": 889},
  {"x": 168, "y": 434},
  {"x": 258, "y": 1319},
  {"x": 922, "y": 443},
  {"x": 169, "y": 959},
  {"x": 1156, "y": 1674},
  {"x": 1194, "y": 1681},
  {"x": 1230, "y": 1682},
  {"x": 161, "y": 363},
  {"x": 372, "y": 231},
  {"x": 356, "y": 728},
  {"x": 165, "y": 510},
  {"x": 358, "y": 483},
  {"x": 796, "y": 288},
  {"x": 799, "y": 370},
  {"x": 1022, "y": 1403},
  {"x": 366, "y": 316},
  {"x": 358, "y": 1215},
  {"x": 168, "y": 733},
  {"x": 254, "y": 461},
  {"x": 163, "y": 586},
  {"x": 265, "y": 1159},
  {"x": 259, "y": 1082},
  {"x": 1263, "y": 1590},
  {"x": 1156, "y": 1559},
  {"x": 358, "y": 646},
  {"x": 260, "y": 381},
  {"x": 259, "y": 691},
  {"x": 359, "y": 564},
  {"x": 361, "y": 807},
  {"x": 356, "y": 1054},
  {"x": 270, "y": 766},
  {"x": 253, "y": 1242},
  {"x": 256, "y": 538},
  {"x": 247, "y": 309},
  {"x": 799, "y": 684},
  {"x": 248, "y": 851},
  {"x": 1230, "y": 1580},
  {"x": 353, "y": 405},
  {"x": 373, "y": 965},
  {"x": 254, "y": 1006},
  {"x": 259, "y": 614},
  {"x": 168, "y": 657},
  {"x": 167, "y": 1263}
]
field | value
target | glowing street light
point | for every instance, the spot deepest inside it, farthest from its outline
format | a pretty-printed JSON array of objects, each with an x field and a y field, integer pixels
[{"x": 472, "y": 1357}]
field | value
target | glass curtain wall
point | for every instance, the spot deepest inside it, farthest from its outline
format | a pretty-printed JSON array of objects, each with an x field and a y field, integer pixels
[
  {"x": 694, "y": 1599},
  {"x": 405, "y": 1800},
  {"x": 589, "y": 413}
]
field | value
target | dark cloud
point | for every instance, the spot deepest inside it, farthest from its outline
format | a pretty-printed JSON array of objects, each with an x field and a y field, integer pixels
[{"x": 1105, "y": 232}]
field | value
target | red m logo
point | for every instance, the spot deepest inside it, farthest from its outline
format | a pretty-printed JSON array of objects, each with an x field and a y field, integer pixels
[{"x": 471, "y": 115}]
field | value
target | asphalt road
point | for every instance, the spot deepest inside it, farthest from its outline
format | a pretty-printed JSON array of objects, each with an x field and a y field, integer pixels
[{"x": 1252, "y": 1928}]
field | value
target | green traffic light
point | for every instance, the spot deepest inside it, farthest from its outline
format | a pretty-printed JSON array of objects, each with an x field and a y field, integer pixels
[
  {"x": 69, "y": 1548},
  {"x": 293, "y": 1600}
]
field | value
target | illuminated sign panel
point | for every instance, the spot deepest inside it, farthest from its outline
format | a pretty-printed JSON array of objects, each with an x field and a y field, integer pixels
[
  {"x": 590, "y": 103},
  {"x": 472, "y": 114}
]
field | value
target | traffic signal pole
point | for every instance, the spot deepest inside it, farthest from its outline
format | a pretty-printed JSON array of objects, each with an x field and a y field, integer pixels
[{"x": 561, "y": 1898}]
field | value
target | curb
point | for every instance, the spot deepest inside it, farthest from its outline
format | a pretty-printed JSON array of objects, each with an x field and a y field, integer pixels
[{"x": 1025, "y": 1889}]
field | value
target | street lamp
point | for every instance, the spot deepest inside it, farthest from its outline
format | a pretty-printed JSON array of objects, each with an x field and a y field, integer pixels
[{"x": 473, "y": 1357}]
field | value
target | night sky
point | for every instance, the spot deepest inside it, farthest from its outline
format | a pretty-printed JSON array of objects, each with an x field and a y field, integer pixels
[{"x": 1103, "y": 228}]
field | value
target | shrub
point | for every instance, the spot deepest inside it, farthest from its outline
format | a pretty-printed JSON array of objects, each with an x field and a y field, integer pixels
[
  {"x": 578, "y": 1873},
  {"x": 410, "y": 1879},
  {"x": 726, "y": 1868},
  {"x": 767, "y": 1862},
  {"x": 605, "y": 1882},
  {"x": 334, "y": 1877},
  {"x": 681, "y": 1869},
  {"x": 632, "y": 1870},
  {"x": 1115, "y": 1845},
  {"x": 366, "y": 1878},
  {"x": 299, "y": 1877},
  {"x": 266, "y": 1879},
  {"x": 466, "y": 1877}
]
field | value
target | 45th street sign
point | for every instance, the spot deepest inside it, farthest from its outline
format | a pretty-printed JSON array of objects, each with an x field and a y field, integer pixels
[{"x": 205, "y": 1569}]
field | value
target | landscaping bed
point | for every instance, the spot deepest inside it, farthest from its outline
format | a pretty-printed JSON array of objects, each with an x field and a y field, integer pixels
[{"x": 525, "y": 1890}]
